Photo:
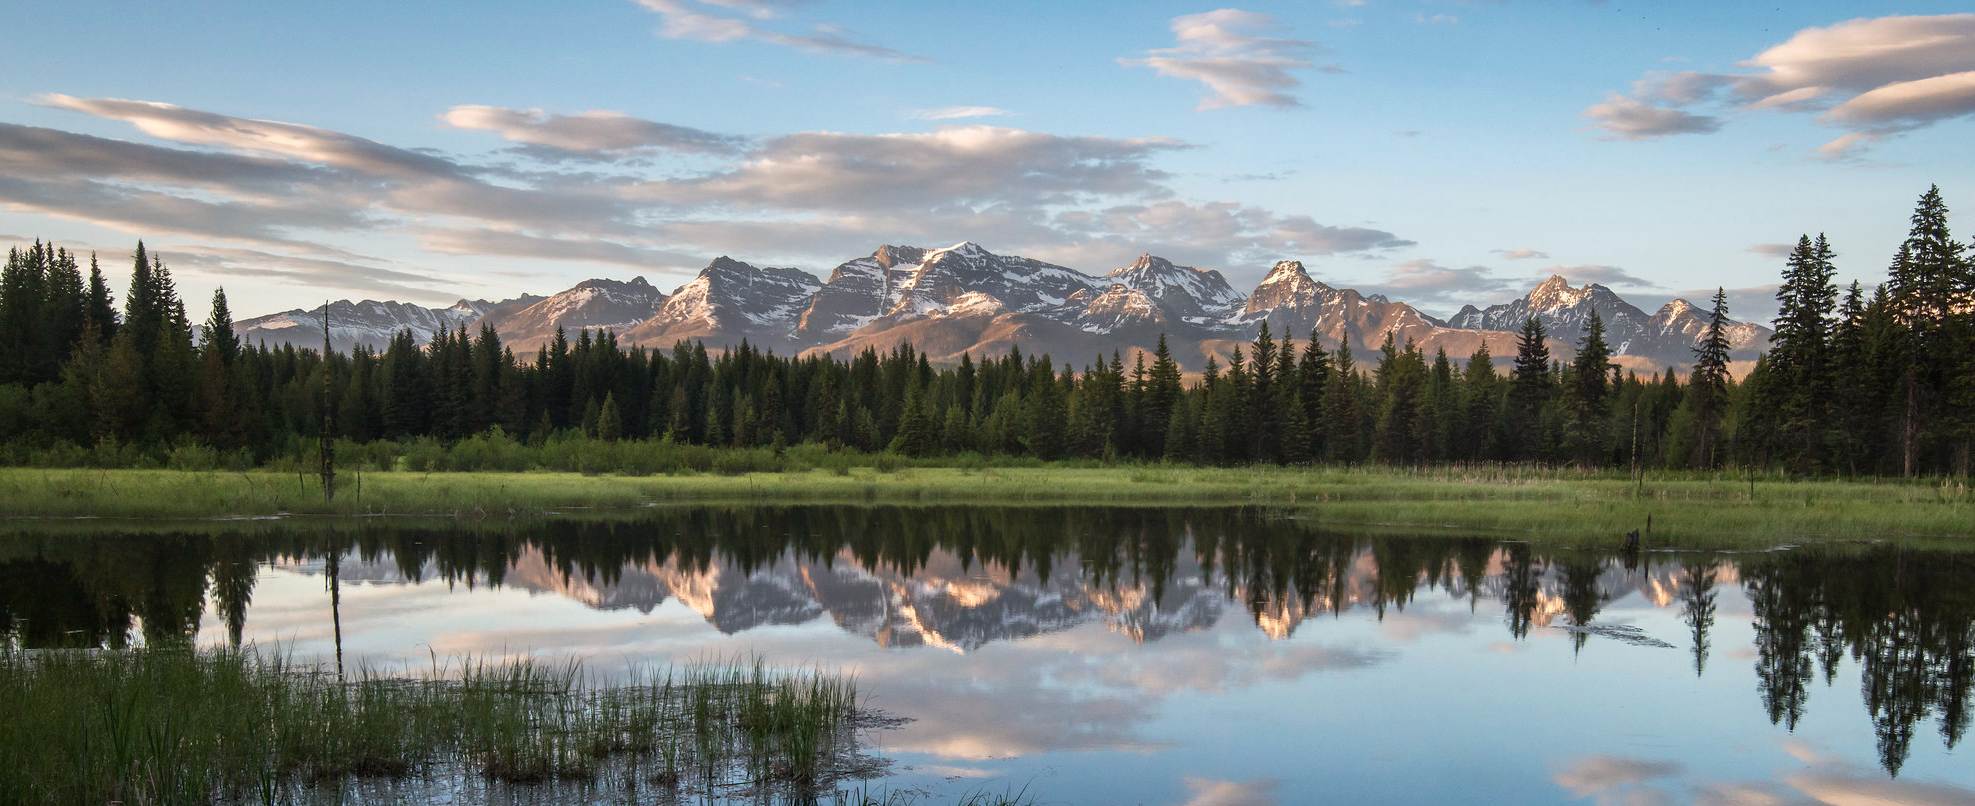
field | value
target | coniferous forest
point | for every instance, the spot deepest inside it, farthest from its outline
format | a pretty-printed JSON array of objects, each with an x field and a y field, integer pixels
[{"x": 1858, "y": 381}]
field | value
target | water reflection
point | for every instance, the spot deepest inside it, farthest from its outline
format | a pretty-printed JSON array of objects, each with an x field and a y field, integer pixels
[{"x": 960, "y": 581}]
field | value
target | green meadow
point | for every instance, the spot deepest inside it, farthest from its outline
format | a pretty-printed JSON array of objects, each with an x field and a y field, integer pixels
[{"x": 1684, "y": 509}]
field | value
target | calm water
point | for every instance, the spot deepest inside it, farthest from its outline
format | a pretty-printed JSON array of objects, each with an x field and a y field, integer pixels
[{"x": 1142, "y": 656}]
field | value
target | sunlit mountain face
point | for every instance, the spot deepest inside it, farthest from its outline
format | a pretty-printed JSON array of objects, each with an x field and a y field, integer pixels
[{"x": 1022, "y": 640}]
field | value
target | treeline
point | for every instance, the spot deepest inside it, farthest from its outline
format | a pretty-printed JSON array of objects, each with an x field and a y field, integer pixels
[{"x": 1854, "y": 383}]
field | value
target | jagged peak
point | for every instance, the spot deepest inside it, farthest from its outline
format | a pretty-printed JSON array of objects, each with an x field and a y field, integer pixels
[
  {"x": 606, "y": 282},
  {"x": 726, "y": 263},
  {"x": 1555, "y": 282},
  {"x": 1285, "y": 270},
  {"x": 962, "y": 249},
  {"x": 889, "y": 255},
  {"x": 1677, "y": 307}
]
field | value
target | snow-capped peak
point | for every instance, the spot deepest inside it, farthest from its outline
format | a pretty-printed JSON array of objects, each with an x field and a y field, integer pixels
[
  {"x": 1676, "y": 307},
  {"x": 1286, "y": 271},
  {"x": 961, "y": 249}
]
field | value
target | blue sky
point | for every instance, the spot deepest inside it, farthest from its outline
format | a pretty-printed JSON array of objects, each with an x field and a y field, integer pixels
[{"x": 1430, "y": 150}]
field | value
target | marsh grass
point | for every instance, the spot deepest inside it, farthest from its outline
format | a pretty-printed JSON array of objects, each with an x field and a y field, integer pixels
[
  {"x": 186, "y": 726},
  {"x": 1687, "y": 509}
]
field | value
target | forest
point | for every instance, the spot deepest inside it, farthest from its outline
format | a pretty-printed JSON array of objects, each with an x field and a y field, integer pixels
[{"x": 1856, "y": 382}]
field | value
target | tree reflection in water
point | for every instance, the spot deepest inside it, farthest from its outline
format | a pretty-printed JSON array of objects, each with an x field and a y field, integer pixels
[{"x": 1905, "y": 617}]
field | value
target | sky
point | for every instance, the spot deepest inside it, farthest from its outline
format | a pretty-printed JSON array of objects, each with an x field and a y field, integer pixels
[{"x": 1440, "y": 152}]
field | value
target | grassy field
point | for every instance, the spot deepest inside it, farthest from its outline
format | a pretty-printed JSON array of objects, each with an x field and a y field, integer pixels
[
  {"x": 185, "y": 726},
  {"x": 1561, "y": 505}
]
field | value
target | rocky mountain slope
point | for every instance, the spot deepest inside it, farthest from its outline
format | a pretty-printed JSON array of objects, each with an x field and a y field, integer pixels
[
  {"x": 966, "y": 299},
  {"x": 1665, "y": 338},
  {"x": 369, "y": 323},
  {"x": 614, "y": 305}
]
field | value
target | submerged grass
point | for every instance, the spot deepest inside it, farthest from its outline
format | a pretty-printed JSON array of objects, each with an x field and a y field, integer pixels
[
  {"x": 186, "y": 726},
  {"x": 1697, "y": 510}
]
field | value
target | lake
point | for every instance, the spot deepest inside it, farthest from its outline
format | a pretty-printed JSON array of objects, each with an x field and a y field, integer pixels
[{"x": 1133, "y": 655}]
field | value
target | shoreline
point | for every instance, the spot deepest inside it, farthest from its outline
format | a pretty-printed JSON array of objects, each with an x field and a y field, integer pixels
[{"x": 1514, "y": 503}]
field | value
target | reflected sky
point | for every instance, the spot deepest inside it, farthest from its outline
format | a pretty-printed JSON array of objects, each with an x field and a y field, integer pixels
[{"x": 1213, "y": 656}]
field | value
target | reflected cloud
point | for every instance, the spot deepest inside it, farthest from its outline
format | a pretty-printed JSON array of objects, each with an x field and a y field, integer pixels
[
  {"x": 1601, "y": 775},
  {"x": 1216, "y": 792}
]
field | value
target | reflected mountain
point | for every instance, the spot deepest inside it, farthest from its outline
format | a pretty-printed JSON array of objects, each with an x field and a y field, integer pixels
[{"x": 961, "y": 579}]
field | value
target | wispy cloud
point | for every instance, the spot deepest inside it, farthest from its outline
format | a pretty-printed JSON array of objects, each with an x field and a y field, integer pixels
[
  {"x": 647, "y": 195},
  {"x": 1874, "y": 78},
  {"x": 1234, "y": 54},
  {"x": 589, "y": 134},
  {"x": 1626, "y": 118},
  {"x": 737, "y": 20},
  {"x": 1522, "y": 253},
  {"x": 1426, "y": 283},
  {"x": 958, "y": 112},
  {"x": 1600, "y": 274}
]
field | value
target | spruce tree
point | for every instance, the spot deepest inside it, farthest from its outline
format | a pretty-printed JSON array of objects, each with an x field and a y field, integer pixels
[
  {"x": 1530, "y": 389},
  {"x": 1798, "y": 383},
  {"x": 1590, "y": 394},
  {"x": 1343, "y": 420},
  {"x": 218, "y": 331},
  {"x": 1707, "y": 387},
  {"x": 101, "y": 308},
  {"x": 918, "y": 434},
  {"x": 1481, "y": 399},
  {"x": 610, "y": 422}
]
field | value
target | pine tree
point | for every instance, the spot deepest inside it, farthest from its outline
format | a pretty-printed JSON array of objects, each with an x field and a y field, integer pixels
[
  {"x": 219, "y": 335},
  {"x": 64, "y": 303},
  {"x": 1343, "y": 420},
  {"x": 1798, "y": 384},
  {"x": 1531, "y": 385},
  {"x": 101, "y": 308},
  {"x": 918, "y": 434},
  {"x": 1312, "y": 373},
  {"x": 20, "y": 313},
  {"x": 219, "y": 414},
  {"x": 1162, "y": 394},
  {"x": 1707, "y": 387},
  {"x": 1481, "y": 400},
  {"x": 1590, "y": 395},
  {"x": 610, "y": 423}
]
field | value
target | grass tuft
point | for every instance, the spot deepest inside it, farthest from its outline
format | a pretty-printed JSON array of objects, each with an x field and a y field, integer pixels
[{"x": 178, "y": 725}]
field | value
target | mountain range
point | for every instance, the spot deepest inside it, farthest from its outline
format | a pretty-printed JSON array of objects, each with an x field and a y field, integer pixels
[
  {"x": 966, "y": 299},
  {"x": 948, "y": 603}
]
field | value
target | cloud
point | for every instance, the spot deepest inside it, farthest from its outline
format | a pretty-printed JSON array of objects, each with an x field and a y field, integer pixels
[
  {"x": 1839, "y": 786},
  {"x": 1909, "y": 104},
  {"x": 1872, "y": 77},
  {"x": 958, "y": 164},
  {"x": 1627, "y": 118},
  {"x": 686, "y": 19},
  {"x": 1601, "y": 274},
  {"x": 959, "y": 113},
  {"x": 263, "y": 137},
  {"x": 485, "y": 241},
  {"x": 1220, "y": 233},
  {"x": 641, "y": 194},
  {"x": 1217, "y": 792},
  {"x": 315, "y": 272},
  {"x": 1772, "y": 249},
  {"x": 1522, "y": 254},
  {"x": 1596, "y": 775},
  {"x": 1228, "y": 51},
  {"x": 1435, "y": 19},
  {"x": 1681, "y": 88},
  {"x": 1425, "y": 282},
  {"x": 595, "y": 133}
]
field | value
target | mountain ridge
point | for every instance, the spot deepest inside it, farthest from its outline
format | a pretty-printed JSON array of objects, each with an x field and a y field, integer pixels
[{"x": 963, "y": 299}]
